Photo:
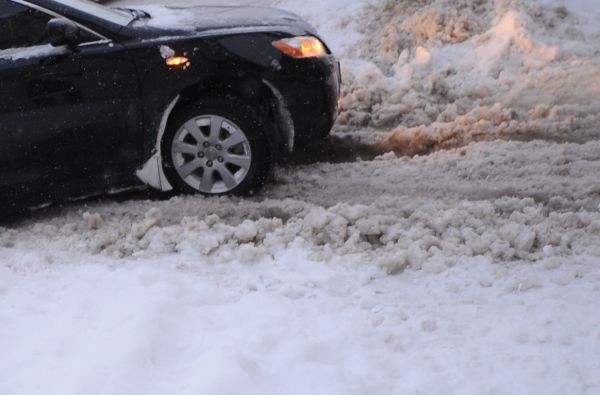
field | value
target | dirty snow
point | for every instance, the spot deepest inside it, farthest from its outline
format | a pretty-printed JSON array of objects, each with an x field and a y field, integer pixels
[
  {"x": 461, "y": 258},
  {"x": 444, "y": 73}
]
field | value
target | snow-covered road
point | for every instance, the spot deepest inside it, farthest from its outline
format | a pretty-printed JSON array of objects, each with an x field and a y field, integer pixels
[
  {"x": 77, "y": 324},
  {"x": 473, "y": 268}
]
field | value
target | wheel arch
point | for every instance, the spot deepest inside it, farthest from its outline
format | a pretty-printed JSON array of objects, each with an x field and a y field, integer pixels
[{"x": 259, "y": 93}]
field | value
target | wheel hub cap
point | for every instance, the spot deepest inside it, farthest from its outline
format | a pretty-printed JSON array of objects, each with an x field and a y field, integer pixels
[{"x": 211, "y": 153}]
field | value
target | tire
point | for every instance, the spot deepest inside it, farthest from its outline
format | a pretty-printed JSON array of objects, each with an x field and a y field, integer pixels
[{"x": 216, "y": 146}]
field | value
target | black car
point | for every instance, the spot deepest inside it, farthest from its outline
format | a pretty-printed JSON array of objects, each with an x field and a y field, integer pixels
[{"x": 199, "y": 99}]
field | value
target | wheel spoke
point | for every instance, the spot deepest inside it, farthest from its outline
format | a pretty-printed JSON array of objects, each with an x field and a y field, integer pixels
[
  {"x": 227, "y": 177},
  {"x": 188, "y": 168},
  {"x": 184, "y": 148},
  {"x": 206, "y": 184},
  {"x": 192, "y": 127},
  {"x": 233, "y": 140},
  {"x": 238, "y": 160},
  {"x": 199, "y": 151},
  {"x": 216, "y": 123}
]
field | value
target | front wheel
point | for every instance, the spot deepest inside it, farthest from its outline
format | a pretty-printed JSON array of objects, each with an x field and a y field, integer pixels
[{"x": 216, "y": 147}]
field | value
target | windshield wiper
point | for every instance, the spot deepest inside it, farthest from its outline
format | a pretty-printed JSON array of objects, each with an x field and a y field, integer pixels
[{"x": 136, "y": 14}]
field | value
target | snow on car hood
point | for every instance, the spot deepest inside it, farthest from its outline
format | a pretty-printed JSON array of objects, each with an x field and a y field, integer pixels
[{"x": 207, "y": 18}]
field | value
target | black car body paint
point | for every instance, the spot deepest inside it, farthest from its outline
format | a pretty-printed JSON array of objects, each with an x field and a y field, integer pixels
[{"x": 81, "y": 121}]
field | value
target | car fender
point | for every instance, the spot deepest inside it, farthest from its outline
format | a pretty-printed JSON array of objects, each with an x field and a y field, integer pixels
[{"x": 284, "y": 121}]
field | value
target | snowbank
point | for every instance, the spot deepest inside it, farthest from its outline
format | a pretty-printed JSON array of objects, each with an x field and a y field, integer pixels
[{"x": 445, "y": 73}]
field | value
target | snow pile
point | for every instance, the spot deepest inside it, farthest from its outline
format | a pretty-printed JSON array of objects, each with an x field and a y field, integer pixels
[
  {"x": 509, "y": 202},
  {"x": 432, "y": 236},
  {"x": 444, "y": 73},
  {"x": 409, "y": 24}
]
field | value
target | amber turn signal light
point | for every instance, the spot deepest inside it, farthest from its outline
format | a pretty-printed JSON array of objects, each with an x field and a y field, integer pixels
[
  {"x": 301, "y": 47},
  {"x": 180, "y": 62}
]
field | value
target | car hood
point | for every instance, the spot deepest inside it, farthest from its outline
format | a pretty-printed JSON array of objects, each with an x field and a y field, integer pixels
[{"x": 198, "y": 19}]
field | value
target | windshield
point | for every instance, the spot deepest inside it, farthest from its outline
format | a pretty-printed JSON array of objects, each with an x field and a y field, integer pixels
[{"x": 119, "y": 17}]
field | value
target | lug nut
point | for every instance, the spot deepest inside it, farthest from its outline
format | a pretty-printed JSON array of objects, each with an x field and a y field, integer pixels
[
  {"x": 200, "y": 154},
  {"x": 220, "y": 159},
  {"x": 218, "y": 146},
  {"x": 209, "y": 163},
  {"x": 206, "y": 144}
]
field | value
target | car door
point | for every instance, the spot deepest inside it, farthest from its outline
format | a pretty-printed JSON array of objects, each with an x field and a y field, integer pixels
[{"x": 66, "y": 115}]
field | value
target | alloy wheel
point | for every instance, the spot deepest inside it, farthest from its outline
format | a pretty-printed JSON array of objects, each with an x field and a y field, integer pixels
[{"x": 211, "y": 154}]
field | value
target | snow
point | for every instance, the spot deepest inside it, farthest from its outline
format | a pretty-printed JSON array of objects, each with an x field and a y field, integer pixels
[
  {"x": 329, "y": 18},
  {"x": 510, "y": 61},
  {"x": 216, "y": 19},
  {"x": 460, "y": 255},
  {"x": 166, "y": 52},
  {"x": 291, "y": 325},
  {"x": 31, "y": 52}
]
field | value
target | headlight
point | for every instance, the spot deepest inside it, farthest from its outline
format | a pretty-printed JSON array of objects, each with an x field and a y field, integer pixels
[{"x": 301, "y": 47}]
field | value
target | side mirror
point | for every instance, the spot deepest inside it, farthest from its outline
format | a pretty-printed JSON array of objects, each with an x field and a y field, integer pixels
[{"x": 62, "y": 31}]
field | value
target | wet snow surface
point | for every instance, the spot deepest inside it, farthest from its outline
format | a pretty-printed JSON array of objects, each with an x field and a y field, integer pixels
[{"x": 467, "y": 264}]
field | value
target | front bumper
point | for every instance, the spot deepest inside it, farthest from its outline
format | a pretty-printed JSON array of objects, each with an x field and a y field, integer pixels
[{"x": 311, "y": 90}]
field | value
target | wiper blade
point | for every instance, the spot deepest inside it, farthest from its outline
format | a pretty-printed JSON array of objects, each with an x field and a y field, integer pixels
[{"x": 137, "y": 14}]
